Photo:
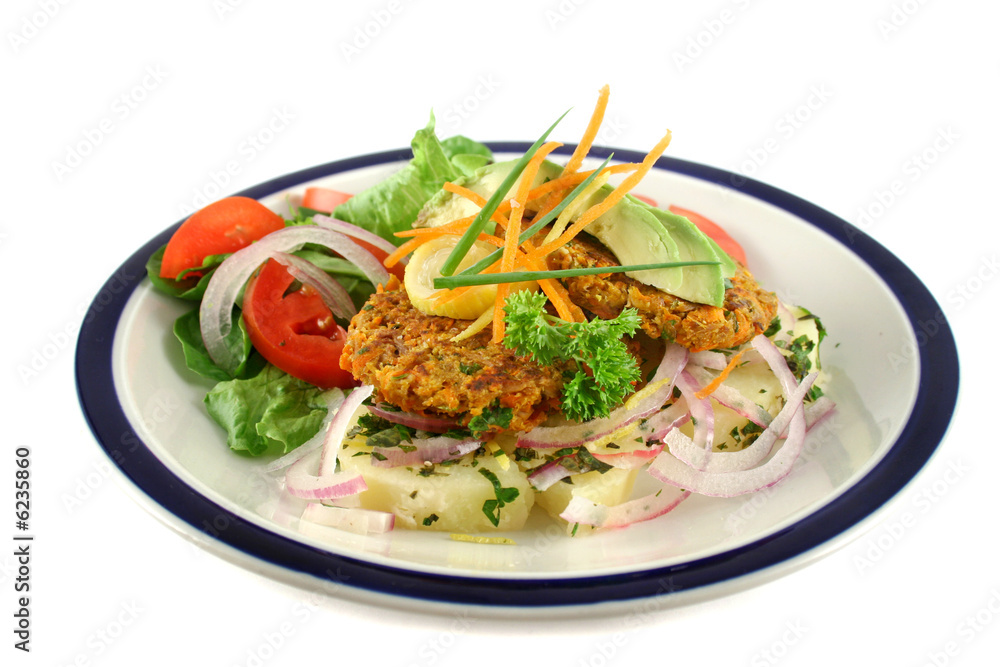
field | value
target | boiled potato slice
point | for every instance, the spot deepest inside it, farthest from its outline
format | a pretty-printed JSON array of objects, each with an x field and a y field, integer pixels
[
  {"x": 455, "y": 493},
  {"x": 612, "y": 487}
]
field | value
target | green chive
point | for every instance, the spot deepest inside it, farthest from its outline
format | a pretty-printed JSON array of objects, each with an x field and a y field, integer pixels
[
  {"x": 464, "y": 280},
  {"x": 470, "y": 235},
  {"x": 544, "y": 220}
]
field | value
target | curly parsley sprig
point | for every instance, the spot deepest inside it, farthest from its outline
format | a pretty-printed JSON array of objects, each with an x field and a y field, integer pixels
[{"x": 603, "y": 371}]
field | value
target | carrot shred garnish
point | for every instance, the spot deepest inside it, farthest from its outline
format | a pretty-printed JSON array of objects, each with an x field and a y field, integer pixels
[
  {"x": 720, "y": 378},
  {"x": 587, "y": 140},
  {"x": 613, "y": 198},
  {"x": 507, "y": 262}
]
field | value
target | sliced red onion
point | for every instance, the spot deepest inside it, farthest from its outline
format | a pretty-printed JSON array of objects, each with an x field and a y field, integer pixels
[
  {"x": 301, "y": 480},
  {"x": 333, "y": 293},
  {"x": 230, "y": 276},
  {"x": 426, "y": 450},
  {"x": 731, "y": 398},
  {"x": 675, "y": 357},
  {"x": 693, "y": 454},
  {"x": 702, "y": 414},
  {"x": 708, "y": 359},
  {"x": 640, "y": 405},
  {"x": 334, "y": 399},
  {"x": 355, "y": 232},
  {"x": 818, "y": 410},
  {"x": 353, "y": 519},
  {"x": 584, "y": 511},
  {"x": 337, "y": 429},
  {"x": 788, "y": 322},
  {"x": 546, "y": 475},
  {"x": 630, "y": 460},
  {"x": 671, "y": 417},
  {"x": 673, "y": 471},
  {"x": 419, "y": 422}
]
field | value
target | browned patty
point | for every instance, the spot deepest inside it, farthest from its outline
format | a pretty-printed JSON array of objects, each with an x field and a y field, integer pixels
[
  {"x": 747, "y": 311},
  {"x": 413, "y": 364}
]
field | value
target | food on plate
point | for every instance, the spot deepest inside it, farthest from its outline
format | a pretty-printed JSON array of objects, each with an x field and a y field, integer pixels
[{"x": 472, "y": 337}]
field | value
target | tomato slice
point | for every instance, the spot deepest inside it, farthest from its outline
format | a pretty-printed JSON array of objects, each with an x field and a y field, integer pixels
[
  {"x": 295, "y": 331},
  {"x": 221, "y": 227},
  {"x": 714, "y": 232},
  {"x": 644, "y": 198},
  {"x": 324, "y": 200}
]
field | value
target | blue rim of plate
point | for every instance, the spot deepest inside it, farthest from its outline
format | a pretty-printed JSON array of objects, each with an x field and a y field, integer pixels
[{"x": 936, "y": 397}]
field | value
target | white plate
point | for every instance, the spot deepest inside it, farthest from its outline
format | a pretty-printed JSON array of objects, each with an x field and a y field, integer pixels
[{"x": 894, "y": 377}]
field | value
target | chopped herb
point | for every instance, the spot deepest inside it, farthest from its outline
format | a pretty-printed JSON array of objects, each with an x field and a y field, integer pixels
[
  {"x": 428, "y": 520},
  {"x": 504, "y": 495},
  {"x": 492, "y": 416},
  {"x": 469, "y": 369}
]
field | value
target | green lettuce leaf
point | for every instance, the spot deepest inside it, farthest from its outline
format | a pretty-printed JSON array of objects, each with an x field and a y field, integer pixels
[
  {"x": 187, "y": 287},
  {"x": 187, "y": 330},
  {"x": 393, "y": 204},
  {"x": 270, "y": 411}
]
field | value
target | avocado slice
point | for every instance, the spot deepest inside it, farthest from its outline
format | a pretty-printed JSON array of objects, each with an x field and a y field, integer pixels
[{"x": 640, "y": 234}]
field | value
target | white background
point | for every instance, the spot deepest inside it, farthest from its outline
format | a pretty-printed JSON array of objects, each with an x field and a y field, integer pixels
[{"x": 870, "y": 86}]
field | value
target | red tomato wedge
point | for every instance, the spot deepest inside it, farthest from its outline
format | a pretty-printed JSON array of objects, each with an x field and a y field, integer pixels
[
  {"x": 222, "y": 227},
  {"x": 714, "y": 232},
  {"x": 324, "y": 200},
  {"x": 295, "y": 331}
]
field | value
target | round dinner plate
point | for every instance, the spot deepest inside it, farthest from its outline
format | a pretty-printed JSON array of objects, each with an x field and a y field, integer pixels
[{"x": 889, "y": 358}]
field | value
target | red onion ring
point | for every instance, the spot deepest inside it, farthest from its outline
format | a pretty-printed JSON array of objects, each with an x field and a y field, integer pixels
[
  {"x": 426, "y": 450},
  {"x": 348, "y": 229},
  {"x": 584, "y": 511},
  {"x": 230, "y": 276},
  {"x": 333, "y": 293},
  {"x": 419, "y": 422}
]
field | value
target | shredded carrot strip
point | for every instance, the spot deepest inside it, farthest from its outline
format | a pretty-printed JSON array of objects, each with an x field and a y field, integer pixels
[
  {"x": 570, "y": 180},
  {"x": 714, "y": 384},
  {"x": 403, "y": 250},
  {"x": 590, "y": 133},
  {"x": 455, "y": 226},
  {"x": 507, "y": 262},
  {"x": 613, "y": 198}
]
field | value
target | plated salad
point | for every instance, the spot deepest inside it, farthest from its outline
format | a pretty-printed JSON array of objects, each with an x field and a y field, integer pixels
[{"x": 472, "y": 337}]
